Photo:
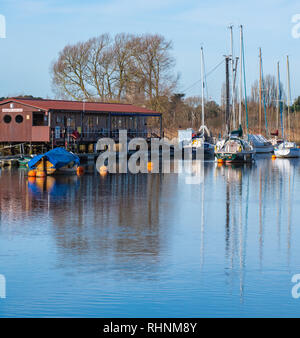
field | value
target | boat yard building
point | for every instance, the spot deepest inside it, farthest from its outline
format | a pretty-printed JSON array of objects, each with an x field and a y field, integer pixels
[{"x": 58, "y": 122}]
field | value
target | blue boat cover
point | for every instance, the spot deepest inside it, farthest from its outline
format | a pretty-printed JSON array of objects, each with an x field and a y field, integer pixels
[{"x": 59, "y": 157}]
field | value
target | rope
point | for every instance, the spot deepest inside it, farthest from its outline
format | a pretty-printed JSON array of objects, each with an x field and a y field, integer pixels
[
  {"x": 205, "y": 81},
  {"x": 206, "y": 75}
]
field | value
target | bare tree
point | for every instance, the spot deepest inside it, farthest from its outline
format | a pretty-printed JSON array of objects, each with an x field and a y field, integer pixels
[
  {"x": 96, "y": 64},
  {"x": 116, "y": 69},
  {"x": 69, "y": 73}
]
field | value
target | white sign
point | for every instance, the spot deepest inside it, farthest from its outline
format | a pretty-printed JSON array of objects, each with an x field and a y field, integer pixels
[{"x": 12, "y": 110}]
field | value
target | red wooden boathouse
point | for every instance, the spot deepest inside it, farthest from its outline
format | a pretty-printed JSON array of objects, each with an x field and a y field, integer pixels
[{"x": 54, "y": 121}]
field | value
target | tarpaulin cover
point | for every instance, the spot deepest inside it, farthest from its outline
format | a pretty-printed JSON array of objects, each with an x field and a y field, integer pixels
[{"x": 59, "y": 157}]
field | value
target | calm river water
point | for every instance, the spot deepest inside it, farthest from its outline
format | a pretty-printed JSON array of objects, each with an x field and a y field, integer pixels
[{"x": 151, "y": 245}]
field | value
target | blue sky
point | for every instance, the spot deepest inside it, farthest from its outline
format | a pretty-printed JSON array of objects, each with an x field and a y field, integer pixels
[{"x": 36, "y": 30}]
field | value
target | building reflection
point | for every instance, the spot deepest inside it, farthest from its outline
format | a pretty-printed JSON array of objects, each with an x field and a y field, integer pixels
[
  {"x": 93, "y": 218},
  {"x": 119, "y": 221},
  {"x": 117, "y": 214}
]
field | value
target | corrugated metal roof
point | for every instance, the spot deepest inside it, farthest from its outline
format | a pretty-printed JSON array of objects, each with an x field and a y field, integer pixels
[{"x": 78, "y": 106}]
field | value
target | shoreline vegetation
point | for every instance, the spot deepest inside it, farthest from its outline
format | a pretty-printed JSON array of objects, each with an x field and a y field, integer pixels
[{"x": 140, "y": 70}]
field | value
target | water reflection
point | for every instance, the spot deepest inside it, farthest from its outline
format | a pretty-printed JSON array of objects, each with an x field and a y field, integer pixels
[
  {"x": 270, "y": 187},
  {"x": 190, "y": 240},
  {"x": 111, "y": 216}
]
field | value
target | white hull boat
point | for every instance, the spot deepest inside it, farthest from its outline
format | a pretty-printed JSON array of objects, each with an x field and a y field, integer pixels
[
  {"x": 199, "y": 144},
  {"x": 260, "y": 144},
  {"x": 287, "y": 150}
]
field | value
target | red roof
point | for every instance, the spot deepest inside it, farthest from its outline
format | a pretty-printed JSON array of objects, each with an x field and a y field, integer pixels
[{"x": 78, "y": 106}]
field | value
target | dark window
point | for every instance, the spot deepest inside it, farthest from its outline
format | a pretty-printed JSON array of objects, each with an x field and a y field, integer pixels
[
  {"x": 7, "y": 118},
  {"x": 39, "y": 119},
  {"x": 19, "y": 118}
]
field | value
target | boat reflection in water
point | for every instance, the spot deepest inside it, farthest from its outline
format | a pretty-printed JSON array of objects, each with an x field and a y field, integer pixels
[
  {"x": 55, "y": 186},
  {"x": 214, "y": 240},
  {"x": 259, "y": 202}
]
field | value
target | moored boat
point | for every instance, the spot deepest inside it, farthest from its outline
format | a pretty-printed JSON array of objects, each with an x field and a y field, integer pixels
[
  {"x": 23, "y": 161},
  {"x": 55, "y": 161},
  {"x": 260, "y": 144},
  {"x": 234, "y": 149},
  {"x": 287, "y": 150},
  {"x": 202, "y": 141}
]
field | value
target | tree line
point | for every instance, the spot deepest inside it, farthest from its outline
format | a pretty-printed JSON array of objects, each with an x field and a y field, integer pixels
[{"x": 140, "y": 69}]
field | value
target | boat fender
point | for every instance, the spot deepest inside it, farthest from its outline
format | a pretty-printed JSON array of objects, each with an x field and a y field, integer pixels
[
  {"x": 32, "y": 173},
  {"x": 80, "y": 171},
  {"x": 150, "y": 166},
  {"x": 103, "y": 170}
]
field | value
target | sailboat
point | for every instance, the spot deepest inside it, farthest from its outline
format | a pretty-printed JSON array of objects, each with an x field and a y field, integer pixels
[
  {"x": 275, "y": 134},
  {"x": 286, "y": 149},
  {"x": 258, "y": 141},
  {"x": 202, "y": 140},
  {"x": 234, "y": 148},
  {"x": 260, "y": 144}
]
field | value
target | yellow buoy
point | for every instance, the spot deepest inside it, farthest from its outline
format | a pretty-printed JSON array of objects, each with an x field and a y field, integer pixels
[
  {"x": 150, "y": 166},
  {"x": 103, "y": 170},
  {"x": 273, "y": 157},
  {"x": 80, "y": 171},
  {"x": 31, "y": 173},
  {"x": 220, "y": 160}
]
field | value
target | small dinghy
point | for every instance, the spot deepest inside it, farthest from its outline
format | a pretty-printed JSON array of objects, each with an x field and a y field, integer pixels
[
  {"x": 55, "y": 161},
  {"x": 23, "y": 161}
]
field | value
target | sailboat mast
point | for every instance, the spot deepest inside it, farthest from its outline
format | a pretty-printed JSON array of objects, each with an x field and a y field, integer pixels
[
  {"x": 227, "y": 58},
  {"x": 281, "y": 105},
  {"x": 289, "y": 94},
  {"x": 278, "y": 98},
  {"x": 241, "y": 75},
  {"x": 202, "y": 83},
  {"x": 260, "y": 80},
  {"x": 232, "y": 77}
]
